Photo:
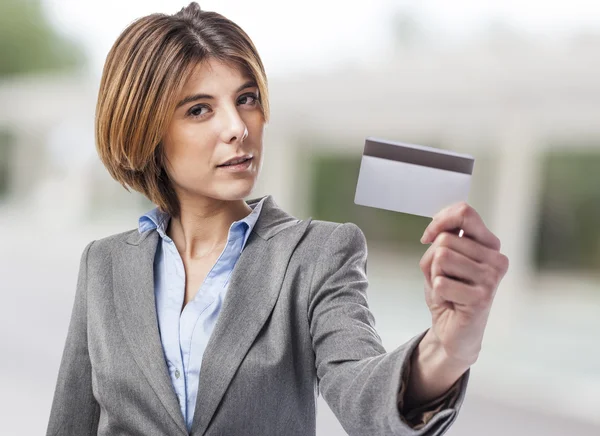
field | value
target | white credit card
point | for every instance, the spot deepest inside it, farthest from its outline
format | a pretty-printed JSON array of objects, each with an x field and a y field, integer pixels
[{"x": 410, "y": 178}]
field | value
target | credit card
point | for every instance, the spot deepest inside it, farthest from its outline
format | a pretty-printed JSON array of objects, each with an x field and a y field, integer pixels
[{"x": 413, "y": 179}]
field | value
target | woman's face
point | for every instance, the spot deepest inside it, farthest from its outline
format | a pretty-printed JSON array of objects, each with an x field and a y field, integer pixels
[{"x": 217, "y": 118}]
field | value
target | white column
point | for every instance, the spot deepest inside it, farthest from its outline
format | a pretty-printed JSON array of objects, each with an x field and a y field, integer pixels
[
  {"x": 514, "y": 220},
  {"x": 279, "y": 176}
]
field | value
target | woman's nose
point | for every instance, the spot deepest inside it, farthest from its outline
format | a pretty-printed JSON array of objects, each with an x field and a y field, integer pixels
[{"x": 234, "y": 128}]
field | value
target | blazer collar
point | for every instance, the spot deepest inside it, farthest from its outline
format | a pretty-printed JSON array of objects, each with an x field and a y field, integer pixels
[
  {"x": 272, "y": 220},
  {"x": 252, "y": 292}
]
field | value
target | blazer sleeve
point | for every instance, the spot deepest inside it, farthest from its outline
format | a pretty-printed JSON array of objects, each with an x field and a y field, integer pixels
[
  {"x": 74, "y": 409},
  {"x": 359, "y": 380}
]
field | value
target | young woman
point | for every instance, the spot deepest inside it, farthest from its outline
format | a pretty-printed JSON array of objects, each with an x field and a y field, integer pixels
[{"x": 221, "y": 316}]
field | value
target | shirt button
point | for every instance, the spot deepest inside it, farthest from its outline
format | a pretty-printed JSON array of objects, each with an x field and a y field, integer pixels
[{"x": 177, "y": 373}]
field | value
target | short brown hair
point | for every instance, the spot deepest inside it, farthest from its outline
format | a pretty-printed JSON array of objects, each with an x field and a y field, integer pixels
[{"x": 144, "y": 73}]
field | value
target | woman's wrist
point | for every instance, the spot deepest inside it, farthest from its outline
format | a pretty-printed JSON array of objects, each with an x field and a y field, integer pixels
[{"x": 432, "y": 372}]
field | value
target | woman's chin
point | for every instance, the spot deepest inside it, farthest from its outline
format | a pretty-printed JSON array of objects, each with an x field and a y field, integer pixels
[{"x": 235, "y": 190}]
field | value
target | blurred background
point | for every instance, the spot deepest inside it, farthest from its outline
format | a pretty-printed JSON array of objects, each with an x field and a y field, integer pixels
[{"x": 515, "y": 84}]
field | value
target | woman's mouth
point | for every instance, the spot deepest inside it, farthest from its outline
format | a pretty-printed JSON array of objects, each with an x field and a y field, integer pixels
[{"x": 240, "y": 166}]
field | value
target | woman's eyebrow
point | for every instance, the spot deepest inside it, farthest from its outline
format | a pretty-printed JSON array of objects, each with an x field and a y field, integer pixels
[{"x": 194, "y": 97}]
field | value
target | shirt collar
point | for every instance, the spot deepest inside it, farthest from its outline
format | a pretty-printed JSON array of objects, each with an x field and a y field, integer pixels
[{"x": 159, "y": 220}]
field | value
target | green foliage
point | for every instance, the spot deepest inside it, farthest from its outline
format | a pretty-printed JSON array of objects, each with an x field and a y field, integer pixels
[
  {"x": 29, "y": 44},
  {"x": 568, "y": 235}
]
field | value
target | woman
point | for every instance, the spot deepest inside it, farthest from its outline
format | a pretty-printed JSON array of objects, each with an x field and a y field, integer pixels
[{"x": 219, "y": 316}]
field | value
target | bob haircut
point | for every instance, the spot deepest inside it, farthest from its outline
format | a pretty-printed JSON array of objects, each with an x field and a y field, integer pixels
[{"x": 144, "y": 74}]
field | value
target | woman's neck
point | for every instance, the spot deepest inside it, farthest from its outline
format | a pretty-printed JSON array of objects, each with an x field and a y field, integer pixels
[{"x": 202, "y": 229}]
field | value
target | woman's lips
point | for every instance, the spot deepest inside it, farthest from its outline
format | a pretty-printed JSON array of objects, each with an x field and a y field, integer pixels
[{"x": 242, "y": 166}]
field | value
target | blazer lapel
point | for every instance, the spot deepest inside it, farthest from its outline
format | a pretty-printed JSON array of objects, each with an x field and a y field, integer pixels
[
  {"x": 252, "y": 293},
  {"x": 133, "y": 287}
]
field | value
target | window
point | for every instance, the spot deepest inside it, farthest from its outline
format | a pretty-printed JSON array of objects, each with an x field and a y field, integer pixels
[{"x": 568, "y": 232}]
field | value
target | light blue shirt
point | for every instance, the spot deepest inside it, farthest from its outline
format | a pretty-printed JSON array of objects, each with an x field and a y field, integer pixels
[{"x": 184, "y": 334}]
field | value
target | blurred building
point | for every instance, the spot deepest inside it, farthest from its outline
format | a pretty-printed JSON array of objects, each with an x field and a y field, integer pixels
[{"x": 521, "y": 110}]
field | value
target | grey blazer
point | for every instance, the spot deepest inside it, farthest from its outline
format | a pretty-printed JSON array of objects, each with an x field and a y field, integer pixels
[{"x": 295, "y": 321}]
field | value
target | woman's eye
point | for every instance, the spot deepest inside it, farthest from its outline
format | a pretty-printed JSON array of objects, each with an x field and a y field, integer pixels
[
  {"x": 198, "y": 111},
  {"x": 249, "y": 99}
]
